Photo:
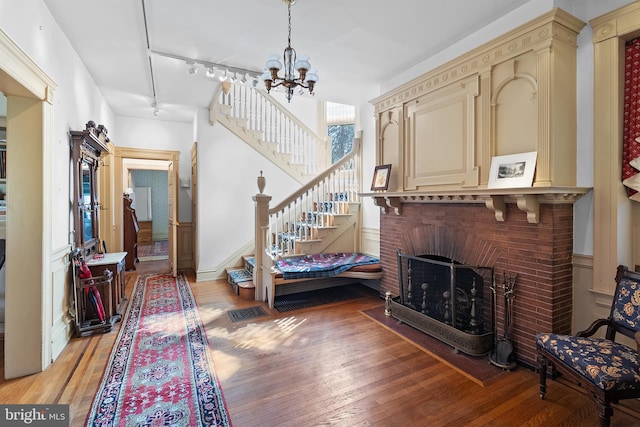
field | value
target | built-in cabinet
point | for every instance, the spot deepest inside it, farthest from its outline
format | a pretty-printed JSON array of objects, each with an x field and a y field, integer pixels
[{"x": 513, "y": 95}]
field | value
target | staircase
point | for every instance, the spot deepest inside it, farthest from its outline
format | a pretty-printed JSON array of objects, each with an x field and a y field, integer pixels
[
  {"x": 241, "y": 278},
  {"x": 322, "y": 216},
  {"x": 269, "y": 128}
]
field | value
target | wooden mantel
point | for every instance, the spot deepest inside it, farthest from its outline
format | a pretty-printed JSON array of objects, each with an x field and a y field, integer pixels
[
  {"x": 441, "y": 132},
  {"x": 528, "y": 200}
]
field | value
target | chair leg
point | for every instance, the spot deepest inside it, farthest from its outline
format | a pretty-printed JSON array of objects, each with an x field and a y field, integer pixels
[
  {"x": 605, "y": 411},
  {"x": 542, "y": 371}
]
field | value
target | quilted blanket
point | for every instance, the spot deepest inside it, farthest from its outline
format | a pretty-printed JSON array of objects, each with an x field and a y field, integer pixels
[{"x": 322, "y": 265}]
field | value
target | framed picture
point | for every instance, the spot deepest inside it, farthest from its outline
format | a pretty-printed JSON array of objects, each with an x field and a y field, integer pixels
[
  {"x": 381, "y": 177},
  {"x": 512, "y": 171}
]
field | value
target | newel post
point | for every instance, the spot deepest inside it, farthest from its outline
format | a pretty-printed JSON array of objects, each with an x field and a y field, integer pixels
[{"x": 261, "y": 202}]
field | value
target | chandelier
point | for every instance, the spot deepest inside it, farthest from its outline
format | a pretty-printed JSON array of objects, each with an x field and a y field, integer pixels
[{"x": 296, "y": 70}]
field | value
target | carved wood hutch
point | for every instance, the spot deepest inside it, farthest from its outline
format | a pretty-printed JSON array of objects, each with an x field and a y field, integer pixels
[{"x": 106, "y": 281}]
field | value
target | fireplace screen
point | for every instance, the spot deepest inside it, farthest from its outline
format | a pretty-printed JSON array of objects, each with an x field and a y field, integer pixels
[{"x": 446, "y": 292}]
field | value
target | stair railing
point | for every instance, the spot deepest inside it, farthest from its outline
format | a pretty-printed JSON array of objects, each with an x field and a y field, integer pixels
[
  {"x": 277, "y": 125},
  {"x": 299, "y": 217},
  {"x": 280, "y": 230}
]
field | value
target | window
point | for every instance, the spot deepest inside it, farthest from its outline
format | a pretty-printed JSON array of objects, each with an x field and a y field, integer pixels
[{"x": 341, "y": 124}]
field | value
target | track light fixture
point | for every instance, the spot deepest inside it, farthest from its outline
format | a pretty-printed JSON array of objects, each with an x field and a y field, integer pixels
[{"x": 212, "y": 69}]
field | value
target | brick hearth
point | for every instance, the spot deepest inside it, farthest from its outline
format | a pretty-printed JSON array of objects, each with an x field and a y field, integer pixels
[{"x": 540, "y": 254}]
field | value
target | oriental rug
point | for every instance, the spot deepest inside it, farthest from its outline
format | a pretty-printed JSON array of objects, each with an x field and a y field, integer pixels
[
  {"x": 160, "y": 371},
  {"x": 155, "y": 251}
]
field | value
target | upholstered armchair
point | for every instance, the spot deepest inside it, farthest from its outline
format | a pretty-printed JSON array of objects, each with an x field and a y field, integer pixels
[{"x": 608, "y": 370}]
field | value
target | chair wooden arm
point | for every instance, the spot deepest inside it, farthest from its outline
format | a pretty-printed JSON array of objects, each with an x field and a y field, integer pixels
[
  {"x": 637, "y": 337},
  {"x": 593, "y": 328}
]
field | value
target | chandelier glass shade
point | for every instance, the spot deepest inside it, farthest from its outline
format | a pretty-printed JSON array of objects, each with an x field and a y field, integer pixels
[{"x": 297, "y": 72}]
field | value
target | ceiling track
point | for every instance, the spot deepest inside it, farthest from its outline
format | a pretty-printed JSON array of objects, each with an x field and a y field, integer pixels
[{"x": 253, "y": 73}]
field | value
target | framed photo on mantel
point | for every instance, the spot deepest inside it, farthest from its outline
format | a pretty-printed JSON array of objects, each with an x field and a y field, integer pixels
[
  {"x": 381, "y": 177},
  {"x": 512, "y": 171}
]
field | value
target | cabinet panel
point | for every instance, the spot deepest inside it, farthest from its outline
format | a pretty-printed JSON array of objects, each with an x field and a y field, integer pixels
[
  {"x": 145, "y": 234},
  {"x": 440, "y": 137}
]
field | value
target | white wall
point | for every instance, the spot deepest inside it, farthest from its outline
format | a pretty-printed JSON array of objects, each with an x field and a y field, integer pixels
[
  {"x": 227, "y": 172},
  {"x": 76, "y": 99}
]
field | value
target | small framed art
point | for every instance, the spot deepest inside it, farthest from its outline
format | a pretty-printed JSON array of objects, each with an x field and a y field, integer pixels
[
  {"x": 512, "y": 171},
  {"x": 381, "y": 177}
]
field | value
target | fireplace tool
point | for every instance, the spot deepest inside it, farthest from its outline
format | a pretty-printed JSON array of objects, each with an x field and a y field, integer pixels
[{"x": 502, "y": 355}]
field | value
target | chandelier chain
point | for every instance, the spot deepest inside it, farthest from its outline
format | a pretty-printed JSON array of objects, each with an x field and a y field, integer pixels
[
  {"x": 289, "y": 39},
  {"x": 297, "y": 73}
]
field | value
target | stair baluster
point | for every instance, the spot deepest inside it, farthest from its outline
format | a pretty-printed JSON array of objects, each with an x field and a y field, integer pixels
[{"x": 261, "y": 113}]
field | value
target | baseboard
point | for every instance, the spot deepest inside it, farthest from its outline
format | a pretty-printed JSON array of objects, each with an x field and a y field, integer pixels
[
  {"x": 207, "y": 275},
  {"x": 234, "y": 260}
]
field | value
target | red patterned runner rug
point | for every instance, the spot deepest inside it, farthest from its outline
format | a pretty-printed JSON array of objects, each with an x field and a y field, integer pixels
[{"x": 160, "y": 372}]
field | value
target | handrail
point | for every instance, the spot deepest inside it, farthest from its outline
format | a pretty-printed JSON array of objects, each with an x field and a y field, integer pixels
[
  {"x": 276, "y": 125},
  {"x": 304, "y": 215},
  {"x": 308, "y": 216},
  {"x": 355, "y": 150}
]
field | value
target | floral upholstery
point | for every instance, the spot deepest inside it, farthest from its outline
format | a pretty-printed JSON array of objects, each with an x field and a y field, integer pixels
[
  {"x": 626, "y": 306},
  {"x": 607, "y": 364}
]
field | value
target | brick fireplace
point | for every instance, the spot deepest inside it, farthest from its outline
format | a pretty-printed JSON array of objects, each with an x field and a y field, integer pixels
[{"x": 539, "y": 253}]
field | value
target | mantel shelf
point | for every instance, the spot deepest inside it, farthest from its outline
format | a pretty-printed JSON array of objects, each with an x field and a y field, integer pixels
[{"x": 528, "y": 200}]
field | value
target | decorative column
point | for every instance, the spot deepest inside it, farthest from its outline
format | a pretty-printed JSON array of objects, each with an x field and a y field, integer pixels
[{"x": 261, "y": 202}]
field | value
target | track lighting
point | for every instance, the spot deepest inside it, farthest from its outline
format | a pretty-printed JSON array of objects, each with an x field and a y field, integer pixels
[{"x": 223, "y": 72}]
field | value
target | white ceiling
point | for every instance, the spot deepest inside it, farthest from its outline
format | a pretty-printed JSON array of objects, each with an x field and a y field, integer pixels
[{"x": 354, "y": 44}]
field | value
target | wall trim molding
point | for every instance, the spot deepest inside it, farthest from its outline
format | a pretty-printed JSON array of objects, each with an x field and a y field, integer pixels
[
  {"x": 62, "y": 322},
  {"x": 612, "y": 210},
  {"x": 233, "y": 260}
]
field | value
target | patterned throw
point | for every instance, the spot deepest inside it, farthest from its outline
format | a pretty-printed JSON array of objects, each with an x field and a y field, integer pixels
[
  {"x": 160, "y": 371},
  {"x": 322, "y": 265}
]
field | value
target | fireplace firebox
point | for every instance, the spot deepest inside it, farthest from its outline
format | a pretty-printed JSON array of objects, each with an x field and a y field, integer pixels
[{"x": 446, "y": 299}]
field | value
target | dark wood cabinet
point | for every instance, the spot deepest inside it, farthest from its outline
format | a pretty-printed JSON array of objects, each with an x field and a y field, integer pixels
[
  {"x": 131, "y": 229},
  {"x": 145, "y": 235},
  {"x": 98, "y": 278},
  {"x": 86, "y": 148}
]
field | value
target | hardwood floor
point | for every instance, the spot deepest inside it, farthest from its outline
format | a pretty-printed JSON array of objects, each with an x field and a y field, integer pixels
[{"x": 327, "y": 365}]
